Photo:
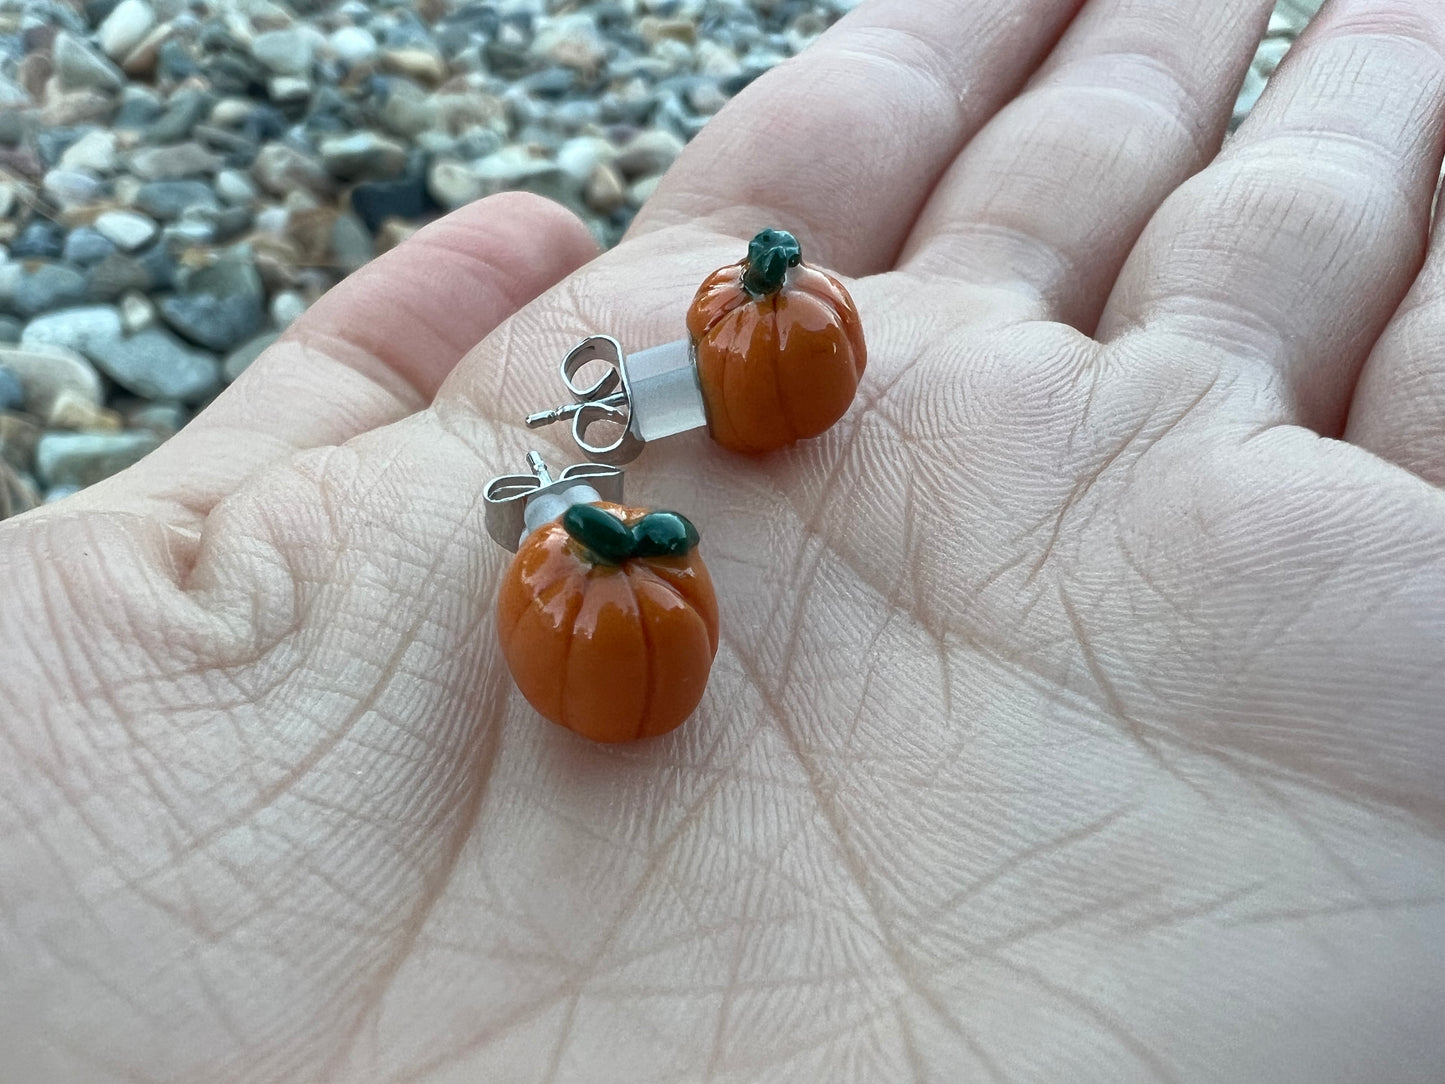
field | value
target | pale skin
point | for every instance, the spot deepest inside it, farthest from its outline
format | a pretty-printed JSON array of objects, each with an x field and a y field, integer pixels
[{"x": 1078, "y": 714}]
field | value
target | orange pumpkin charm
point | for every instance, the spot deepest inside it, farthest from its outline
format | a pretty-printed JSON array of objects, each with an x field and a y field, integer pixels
[
  {"x": 608, "y": 621},
  {"x": 778, "y": 346},
  {"x": 774, "y": 354}
]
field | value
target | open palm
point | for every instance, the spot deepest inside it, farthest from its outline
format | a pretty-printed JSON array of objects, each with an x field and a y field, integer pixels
[{"x": 1078, "y": 714}]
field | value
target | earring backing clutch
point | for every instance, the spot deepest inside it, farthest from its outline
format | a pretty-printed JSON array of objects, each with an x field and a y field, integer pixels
[
  {"x": 517, "y": 504},
  {"x": 774, "y": 355},
  {"x": 607, "y": 616}
]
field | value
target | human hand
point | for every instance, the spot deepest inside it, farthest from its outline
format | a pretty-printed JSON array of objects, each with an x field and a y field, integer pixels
[{"x": 1077, "y": 715}]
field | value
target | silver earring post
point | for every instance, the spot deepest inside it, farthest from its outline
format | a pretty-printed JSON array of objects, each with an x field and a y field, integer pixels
[{"x": 651, "y": 394}]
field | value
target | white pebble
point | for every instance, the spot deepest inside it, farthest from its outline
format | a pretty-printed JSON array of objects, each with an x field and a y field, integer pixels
[
  {"x": 235, "y": 188},
  {"x": 128, "y": 230},
  {"x": 648, "y": 153},
  {"x": 353, "y": 45},
  {"x": 286, "y": 308},
  {"x": 124, "y": 28},
  {"x": 579, "y": 156},
  {"x": 136, "y": 312},
  {"x": 71, "y": 187},
  {"x": 273, "y": 220},
  {"x": 288, "y": 88},
  {"x": 285, "y": 52},
  {"x": 452, "y": 184},
  {"x": 94, "y": 151},
  {"x": 77, "y": 329}
]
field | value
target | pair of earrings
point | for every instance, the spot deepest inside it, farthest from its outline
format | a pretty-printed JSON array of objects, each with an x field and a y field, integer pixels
[{"x": 607, "y": 616}]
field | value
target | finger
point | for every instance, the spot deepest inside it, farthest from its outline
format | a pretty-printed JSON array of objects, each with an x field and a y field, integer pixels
[
  {"x": 371, "y": 351},
  {"x": 415, "y": 311},
  {"x": 1050, "y": 196},
  {"x": 1298, "y": 243},
  {"x": 1399, "y": 407},
  {"x": 843, "y": 144}
]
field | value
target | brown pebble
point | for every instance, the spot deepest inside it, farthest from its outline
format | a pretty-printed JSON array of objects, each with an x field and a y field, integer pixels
[
  {"x": 581, "y": 55},
  {"x": 16, "y": 495},
  {"x": 280, "y": 169},
  {"x": 654, "y": 29},
  {"x": 78, "y": 107},
  {"x": 310, "y": 232},
  {"x": 393, "y": 232},
  {"x": 33, "y": 72},
  {"x": 19, "y": 433},
  {"x": 73, "y": 411},
  {"x": 275, "y": 261},
  {"x": 458, "y": 112},
  {"x": 39, "y": 39},
  {"x": 23, "y": 161},
  {"x": 605, "y": 191},
  {"x": 419, "y": 64},
  {"x": 141, "y": 61}
]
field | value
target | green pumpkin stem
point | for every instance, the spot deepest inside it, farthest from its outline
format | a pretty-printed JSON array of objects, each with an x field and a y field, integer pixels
[
  {"x": 770, "y": 254},
  {"x": 664, "y": 534},
  {"x": 604, "y": 536},
  {"x": 609, "y": 541}
]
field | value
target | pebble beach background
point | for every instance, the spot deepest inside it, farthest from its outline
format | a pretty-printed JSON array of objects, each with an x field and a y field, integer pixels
[{"x": 180, "y": 179}]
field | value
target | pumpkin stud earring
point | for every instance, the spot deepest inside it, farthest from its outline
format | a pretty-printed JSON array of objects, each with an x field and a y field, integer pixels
[
  {"x": 774, "y": 355},
  {"x": 606, "y": 616}
]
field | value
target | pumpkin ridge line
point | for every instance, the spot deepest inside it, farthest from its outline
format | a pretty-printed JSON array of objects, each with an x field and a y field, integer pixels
[
  {"x": 724, "y": 310},
  {"x": 645, "y": 571},
  {"x": 831, "y": 301},
  {"x": 722, "y": 397},
  {"x": 647, "y": 661},
  {"x": 677, "y": 591},
  {"x": 803, "y": 286},
  {"x": 567, "y": 654},
  {"x": 777, "y": 376}
]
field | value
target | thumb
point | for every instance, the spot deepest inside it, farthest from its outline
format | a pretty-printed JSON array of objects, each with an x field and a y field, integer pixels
[{"x": 371, "y": 351}]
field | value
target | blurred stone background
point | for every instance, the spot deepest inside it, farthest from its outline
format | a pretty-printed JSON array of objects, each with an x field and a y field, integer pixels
[{"x": 180, "y": 179}]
